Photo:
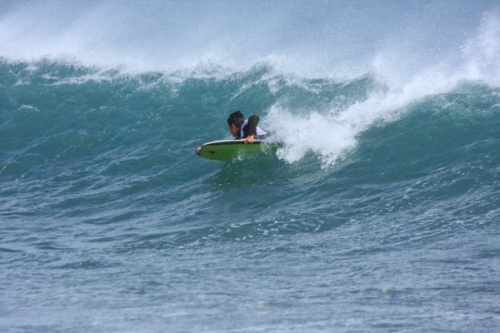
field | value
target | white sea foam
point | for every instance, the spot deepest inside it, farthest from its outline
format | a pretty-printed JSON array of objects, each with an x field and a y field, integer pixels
[{"x": 332, "y": 136}]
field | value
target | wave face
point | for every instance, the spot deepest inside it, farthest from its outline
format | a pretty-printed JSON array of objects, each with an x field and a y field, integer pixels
[{"x": 379, "y": 213}]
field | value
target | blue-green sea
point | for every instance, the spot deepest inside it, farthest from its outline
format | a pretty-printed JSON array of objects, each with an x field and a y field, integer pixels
[{"x": 379, "y": 213}]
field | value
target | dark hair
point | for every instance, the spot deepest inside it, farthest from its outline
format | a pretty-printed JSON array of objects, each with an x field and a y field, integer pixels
[{"x": 237, "y": 118}]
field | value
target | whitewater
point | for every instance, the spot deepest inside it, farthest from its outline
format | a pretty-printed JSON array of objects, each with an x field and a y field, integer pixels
[{"x": 379, "y": 213}]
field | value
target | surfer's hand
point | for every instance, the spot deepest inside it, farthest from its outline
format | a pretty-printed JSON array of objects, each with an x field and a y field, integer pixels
[{"x": 249, "y": 139}]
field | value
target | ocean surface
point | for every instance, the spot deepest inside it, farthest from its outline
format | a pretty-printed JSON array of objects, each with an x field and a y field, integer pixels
[{"x": 380, "y": 213}]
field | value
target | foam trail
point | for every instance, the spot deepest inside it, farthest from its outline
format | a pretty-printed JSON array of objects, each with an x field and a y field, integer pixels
[
  {"x": 333, "y": 135},
  {"x": 314, "y": 132}
]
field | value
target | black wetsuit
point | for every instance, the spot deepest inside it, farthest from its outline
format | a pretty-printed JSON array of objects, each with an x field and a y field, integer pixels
[{"x": 250, "y": 128}]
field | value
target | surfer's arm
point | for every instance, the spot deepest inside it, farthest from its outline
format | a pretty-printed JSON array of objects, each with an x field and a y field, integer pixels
[
  {"x": 252, "y": 125},
  {"x": 251, "y": 130}
]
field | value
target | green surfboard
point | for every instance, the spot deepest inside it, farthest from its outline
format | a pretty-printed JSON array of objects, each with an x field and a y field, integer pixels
[{"x": 233, "y": 149}]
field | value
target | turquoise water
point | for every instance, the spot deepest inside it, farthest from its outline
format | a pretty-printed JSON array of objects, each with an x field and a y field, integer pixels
[{"x": 379, "y": 214}]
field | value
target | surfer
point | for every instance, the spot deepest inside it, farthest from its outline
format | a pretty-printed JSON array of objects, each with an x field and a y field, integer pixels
[
  {"x": 245, "y": 129},
  {"x": 242, "y": 128}
]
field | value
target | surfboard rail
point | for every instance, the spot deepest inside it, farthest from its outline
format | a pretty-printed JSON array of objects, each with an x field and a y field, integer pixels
[{"x": 222, "y": 150}]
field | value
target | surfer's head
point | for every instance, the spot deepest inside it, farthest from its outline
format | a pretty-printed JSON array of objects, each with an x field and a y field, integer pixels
[
  {"x": 236, "y": 118},
  {"x": 234, "y": 121}
]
